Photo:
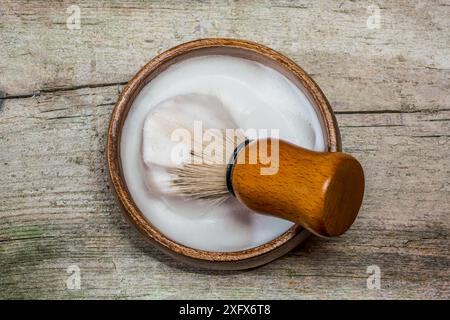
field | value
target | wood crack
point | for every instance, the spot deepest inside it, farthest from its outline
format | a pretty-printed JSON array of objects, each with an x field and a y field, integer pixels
[
  {"x": 390, "y": 111},
  {"x": 432, "y": 136},
  {"x": 372, "y": 126},
  {"x": 5, "y": 240},
  {"x": 63, "y": 89},
  {"x": 53, "y": 110},
  {"x": 68, "y": 117}
]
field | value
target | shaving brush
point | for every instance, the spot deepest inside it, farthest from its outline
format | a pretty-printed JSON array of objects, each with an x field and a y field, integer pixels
[{"x": 322, "y": 191}]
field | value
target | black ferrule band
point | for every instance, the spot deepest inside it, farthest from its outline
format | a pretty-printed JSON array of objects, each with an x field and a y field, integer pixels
[{"x": 231, "y": 163}]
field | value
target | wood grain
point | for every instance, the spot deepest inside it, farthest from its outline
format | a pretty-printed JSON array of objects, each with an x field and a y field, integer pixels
[
  {"x": 321, "y": 191},
  {"x": 388, "y": 86}
]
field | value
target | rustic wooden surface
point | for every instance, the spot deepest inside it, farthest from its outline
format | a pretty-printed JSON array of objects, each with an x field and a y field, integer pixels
[{"x": 389, "y": 88}]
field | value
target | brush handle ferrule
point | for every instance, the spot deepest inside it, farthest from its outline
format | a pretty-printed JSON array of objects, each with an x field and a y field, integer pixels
[{"x": 231, "y": 162}]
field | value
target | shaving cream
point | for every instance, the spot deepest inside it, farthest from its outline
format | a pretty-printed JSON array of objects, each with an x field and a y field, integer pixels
[{"x": 228, "y": 91}]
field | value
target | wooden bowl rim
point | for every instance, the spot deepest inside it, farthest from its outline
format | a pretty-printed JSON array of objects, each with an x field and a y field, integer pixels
[{"x": 125, "y": 101}]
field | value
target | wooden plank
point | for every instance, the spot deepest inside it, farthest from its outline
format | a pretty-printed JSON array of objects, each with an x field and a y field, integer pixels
[
  {"x": 388, "y": 86},
  {"x": 58, "y": 210},
  {"x": 404, "y": 64}
]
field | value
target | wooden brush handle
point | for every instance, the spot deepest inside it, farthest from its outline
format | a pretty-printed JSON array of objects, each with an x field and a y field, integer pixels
[{"x": 322, "y": 191}]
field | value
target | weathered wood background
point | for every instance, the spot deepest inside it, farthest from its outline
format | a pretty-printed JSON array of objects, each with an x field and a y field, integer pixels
[{"x": 389, "y": 88}]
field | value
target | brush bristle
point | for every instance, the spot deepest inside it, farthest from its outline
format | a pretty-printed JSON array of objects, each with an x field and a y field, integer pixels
[
  {"x": 203, "y": 176},
  {"x": 200, "y": 181}
]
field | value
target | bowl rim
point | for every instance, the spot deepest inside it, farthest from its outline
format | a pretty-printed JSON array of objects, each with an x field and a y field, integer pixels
[{"x": 125, "y": 100}]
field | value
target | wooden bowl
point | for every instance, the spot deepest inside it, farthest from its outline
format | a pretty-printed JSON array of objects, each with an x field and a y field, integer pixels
[{"x": 249, "y": 50}]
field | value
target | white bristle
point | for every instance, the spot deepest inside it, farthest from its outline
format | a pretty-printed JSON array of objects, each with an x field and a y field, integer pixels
[
  {"x": 201, "y": 175},
  {"x": 203, "y": 178}
]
